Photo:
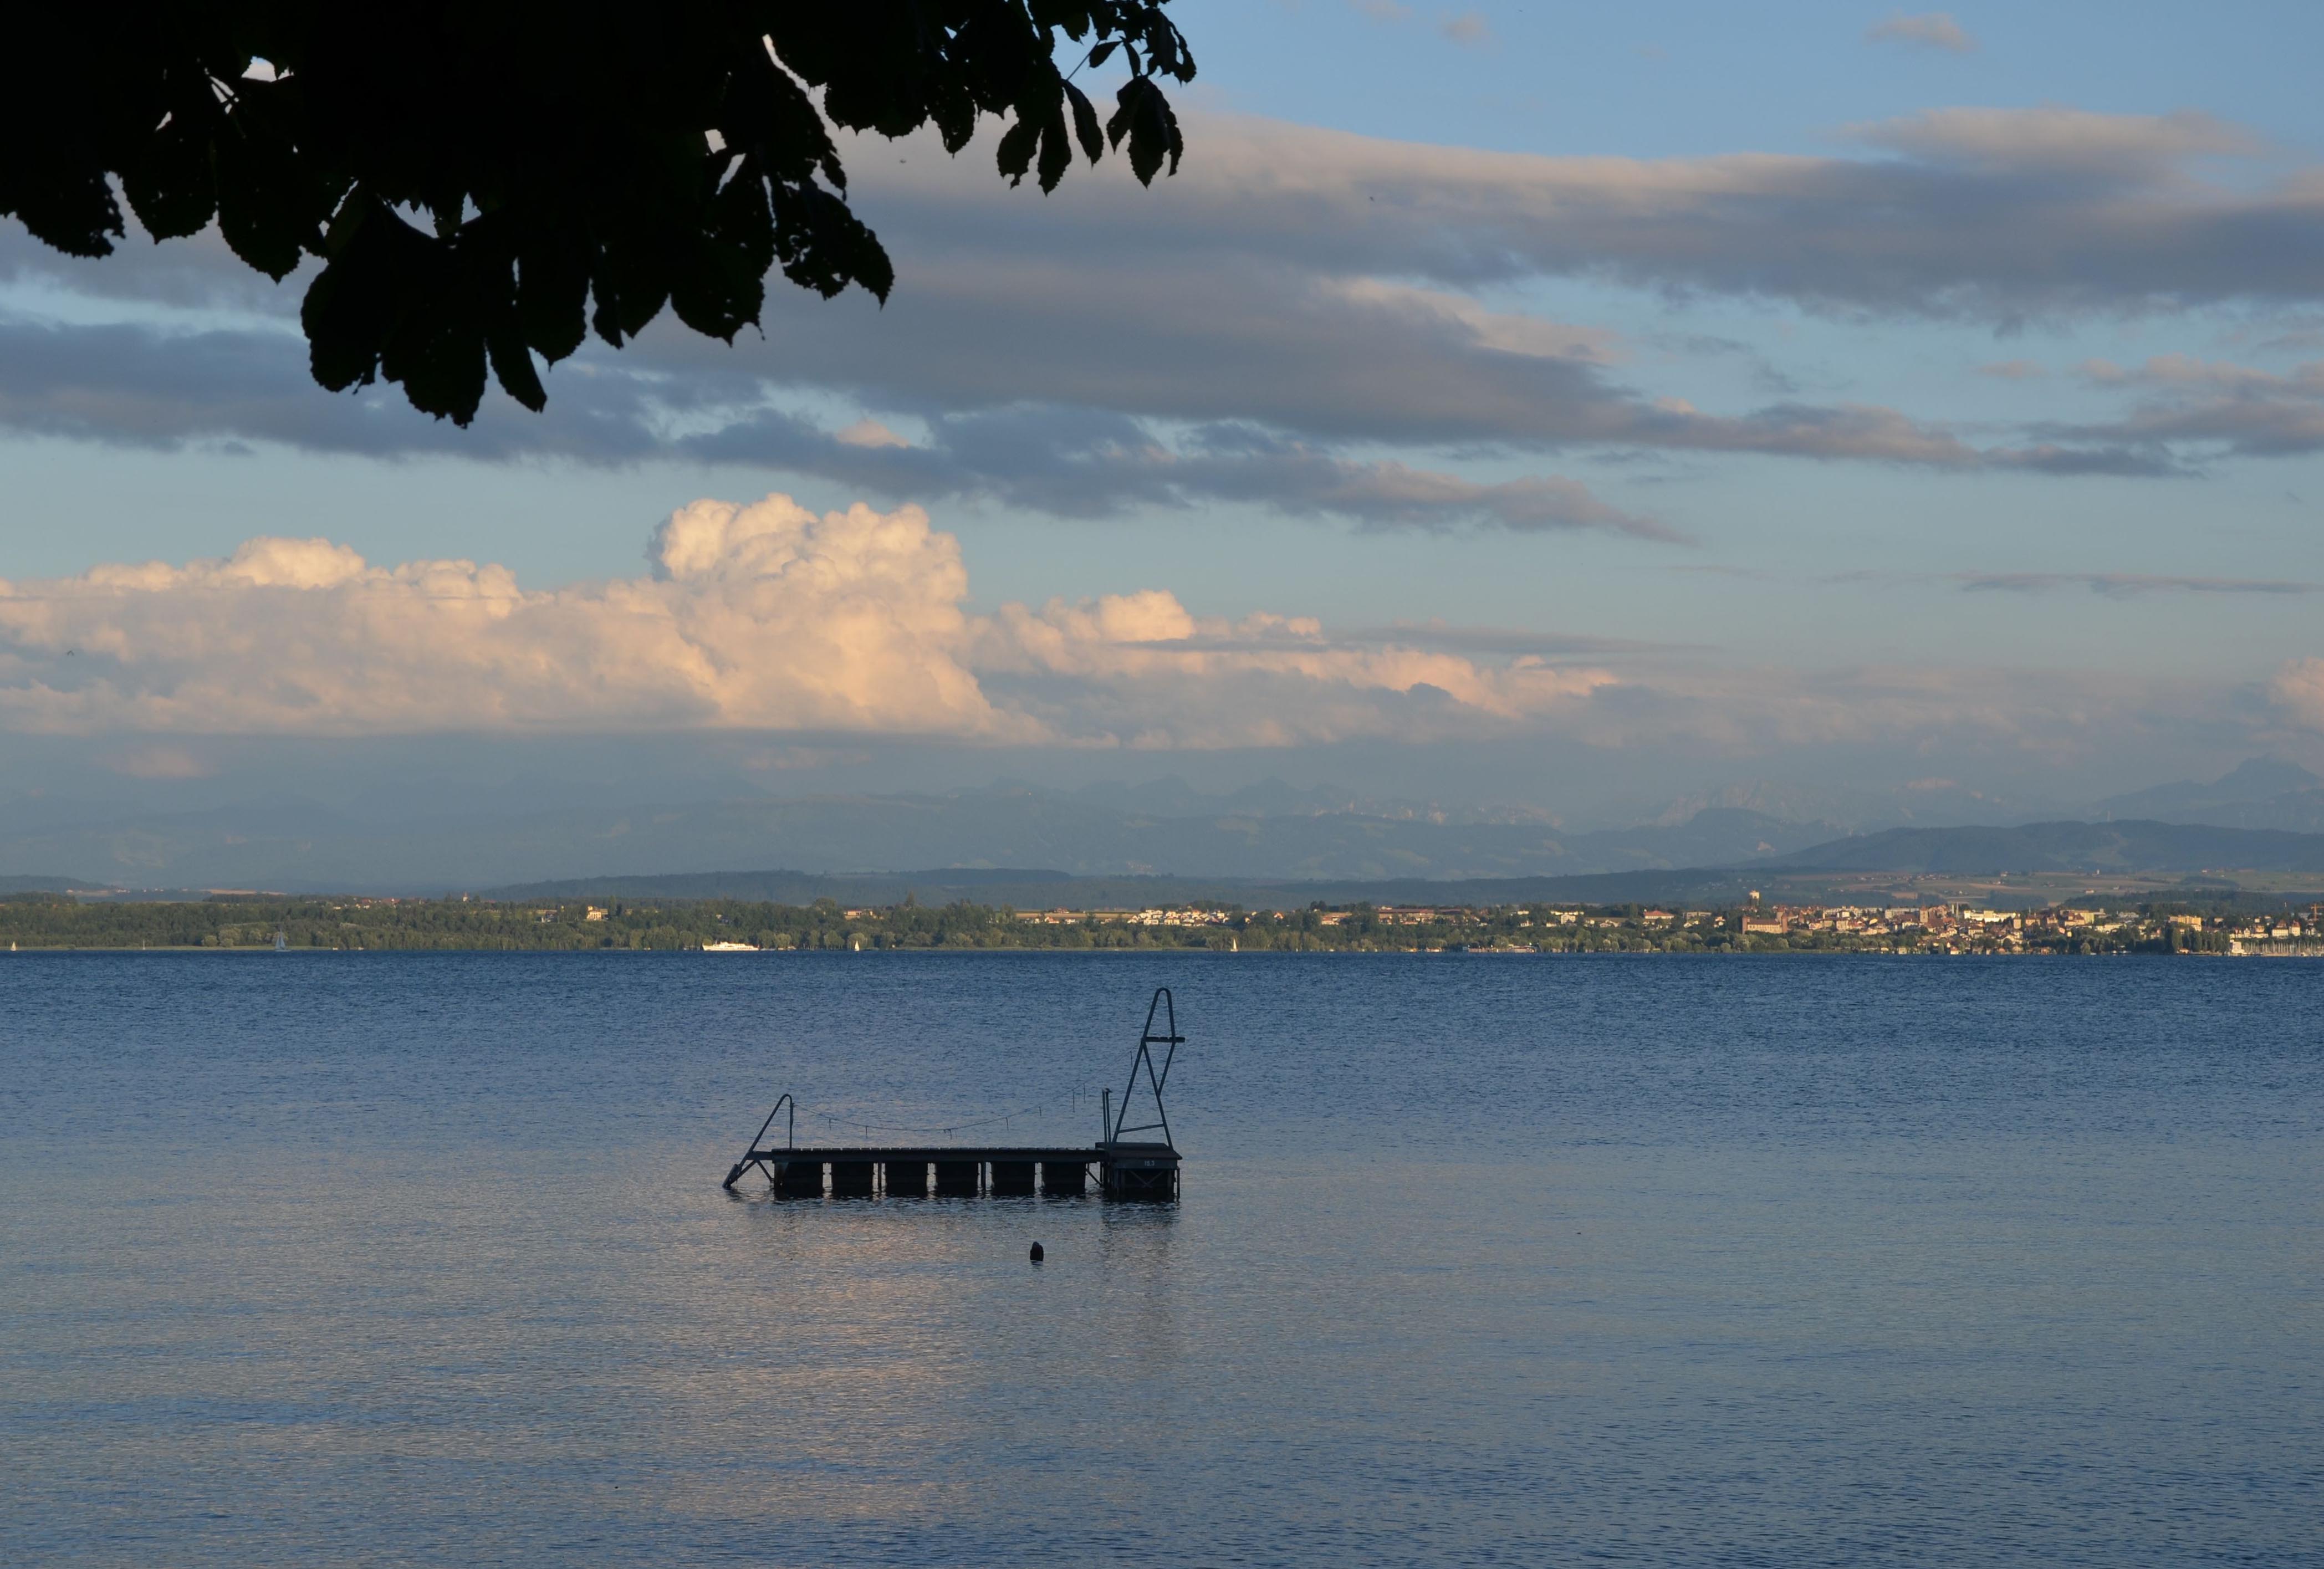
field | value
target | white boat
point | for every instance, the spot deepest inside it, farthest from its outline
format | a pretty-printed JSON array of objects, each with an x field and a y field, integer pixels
[{"x": 729, "y": 948}]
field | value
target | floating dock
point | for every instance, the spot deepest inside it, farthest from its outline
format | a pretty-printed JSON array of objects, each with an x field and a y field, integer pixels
[{"x": 1125, "y": 1168}]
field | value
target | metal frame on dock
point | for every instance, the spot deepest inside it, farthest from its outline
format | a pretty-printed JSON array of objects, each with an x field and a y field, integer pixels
[
  {"x": 1145, "y": 1170},
  {"x": 1127, "y": 1168}
]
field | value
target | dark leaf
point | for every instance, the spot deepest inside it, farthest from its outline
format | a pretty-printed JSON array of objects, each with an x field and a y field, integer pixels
[
  {"x": 352, "y": 303},
  {"x": 954, "y": 111},
  {"x": 1017, "y": 144},
  {"x": 1086, "y": 127},
  {"x": 1144, "y": 115},
  {"x": 513, "y": 367},
  {"x": 767, "y": 118},
  {"x": 824, "y": 247},
  {"x": 721, "y": 289},
  {"x": 169, "y": 187},
  {"x": 630, "y": 287},
  {"x": 440, "y": 358},
  {"x": 1056, "y": 152},
  {"x": 69, "y": 209},
  {"x": 259, "y": 206},
  {"x": 552, "y": 293}
]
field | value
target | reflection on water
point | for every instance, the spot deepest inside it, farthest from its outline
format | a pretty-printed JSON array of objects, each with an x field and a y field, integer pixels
[{"x": 402, "y": 1260}]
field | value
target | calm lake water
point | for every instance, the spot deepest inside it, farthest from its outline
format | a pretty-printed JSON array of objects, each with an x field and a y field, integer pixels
[{"x": 423, "y": 1260}]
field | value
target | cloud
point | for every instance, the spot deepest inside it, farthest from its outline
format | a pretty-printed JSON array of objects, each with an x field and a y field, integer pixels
[
  {"x": 2123, "y": 584},
  {"x": 2059, "y": 140},
  {"x": 806, "y": 636},
  {"x": 1500, "y": 640},
  {"x": 2298, "y": 691},
  {"x": 1144, "y": 673},
  {"x": 1971, "y": 210},
  {"x": 2109, "y": 584},
  {"x": 2047, "y": 718},
  {"x": 764, "y": 617},
  {"x": 1390, "y": 494},
  {"x": 2208, "y": 408},
  {"x": 2013, "y": 369},
  {"x": 158, "y": 761},
  {"x": 1083, "y": 463},
  {"x": 1983, "y": 212},
  {"x": 1321, "y": 288},
  {"x": 1468, "y": 29},
  {"x": 133, "y": 385},
  {"x": 868, "y": 433},
  {"x": 1929, "y": 30},
  {"x": 136, "y": 386}
]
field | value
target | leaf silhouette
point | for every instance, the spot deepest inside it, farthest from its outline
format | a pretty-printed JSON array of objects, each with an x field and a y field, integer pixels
[{"x": 492, "y": 181}]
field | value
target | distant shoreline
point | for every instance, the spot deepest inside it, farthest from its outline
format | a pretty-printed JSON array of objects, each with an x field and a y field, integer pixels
[
  {"x": 2308, "y": 951},
  {"x": 46, "y": 922}
]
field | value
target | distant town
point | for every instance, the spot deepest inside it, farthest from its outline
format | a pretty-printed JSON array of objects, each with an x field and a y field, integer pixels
[{"x": 245, "y": 921}]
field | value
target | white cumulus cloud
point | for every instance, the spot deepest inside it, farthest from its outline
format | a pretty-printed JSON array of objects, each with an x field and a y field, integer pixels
[{"x": 764, "y": 616}]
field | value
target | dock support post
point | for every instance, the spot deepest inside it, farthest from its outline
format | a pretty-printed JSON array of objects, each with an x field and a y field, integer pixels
[
  {"x": 851, "y": 1179},
  {"x": 1013, "y": 1179},
  {"x": 799, "y": 1179},
  {"x": 1064, "y": 1178},
  {"x": 907, "y": 1179},
  {"x": 956, "y": 1178},
  {"x": 1141, "y": 1182}
]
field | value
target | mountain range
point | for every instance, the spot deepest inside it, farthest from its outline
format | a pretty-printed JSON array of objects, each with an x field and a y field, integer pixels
[
  {"x": 294, "y": 846},
  {"x": 2264, "y": 792},
  {"x": 2110, "y": 848},
  {"x": 1270, "y": 832}
]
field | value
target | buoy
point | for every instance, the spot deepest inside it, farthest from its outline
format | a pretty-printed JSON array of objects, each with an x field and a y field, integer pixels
[{"x": 1036, "y": 1252}]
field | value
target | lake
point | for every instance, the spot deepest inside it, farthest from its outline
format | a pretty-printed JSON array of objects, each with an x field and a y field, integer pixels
[{"x": 423, "y": 1259}]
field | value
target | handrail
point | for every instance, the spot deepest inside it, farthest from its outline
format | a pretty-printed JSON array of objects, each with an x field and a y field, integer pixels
[
  {"x": 790, "y": 1138},
  {"x": 790, "y": 1128}
]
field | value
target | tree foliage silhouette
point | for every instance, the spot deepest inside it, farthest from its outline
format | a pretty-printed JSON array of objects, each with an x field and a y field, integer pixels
[{"x": 486, "y": 180}]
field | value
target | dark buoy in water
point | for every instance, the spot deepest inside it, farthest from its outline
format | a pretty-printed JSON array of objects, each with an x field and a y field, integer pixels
[{"x": 1036, "y": 1252}]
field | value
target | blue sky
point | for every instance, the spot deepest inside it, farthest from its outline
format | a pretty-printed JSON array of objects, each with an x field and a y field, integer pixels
[
  {"x": 1851, "y": 391},
  {"x": 1658, "y": 80}
]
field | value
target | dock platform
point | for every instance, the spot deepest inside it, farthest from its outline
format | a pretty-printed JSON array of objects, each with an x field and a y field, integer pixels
[
  {"x": 1122, "y": 1169},
  {"x": 1126, "y": 1167}
]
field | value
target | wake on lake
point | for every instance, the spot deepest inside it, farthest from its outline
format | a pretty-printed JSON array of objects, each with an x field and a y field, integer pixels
[{"x": 423, "y": 1259}]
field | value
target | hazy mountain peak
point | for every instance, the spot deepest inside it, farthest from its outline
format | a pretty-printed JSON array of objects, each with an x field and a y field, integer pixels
[
  {"x": 2256, "y": 778},
  {"x": 2260, "y": 792}
]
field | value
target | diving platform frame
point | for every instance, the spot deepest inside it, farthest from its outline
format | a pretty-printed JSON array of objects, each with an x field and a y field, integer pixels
[{"x": 1125, "y": 1168}]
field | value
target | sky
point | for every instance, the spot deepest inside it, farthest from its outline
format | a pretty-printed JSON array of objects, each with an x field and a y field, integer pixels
[{"x": 1538, "y": 404}]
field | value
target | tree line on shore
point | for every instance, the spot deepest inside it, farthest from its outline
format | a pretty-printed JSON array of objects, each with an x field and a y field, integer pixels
[{"x": 35, "y": 921}]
